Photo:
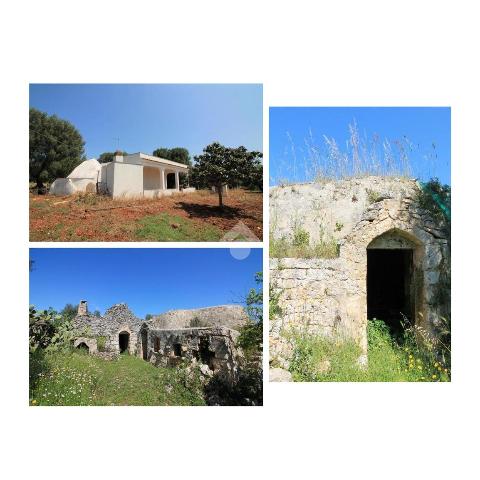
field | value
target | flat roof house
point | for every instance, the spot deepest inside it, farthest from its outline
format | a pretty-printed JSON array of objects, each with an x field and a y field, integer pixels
[{"x": 127, "y": 176}]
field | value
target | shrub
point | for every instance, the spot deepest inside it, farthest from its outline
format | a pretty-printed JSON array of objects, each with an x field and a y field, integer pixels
[
  {"x": 101, "y": 342},
  {"x": 411, "y": 357},
  {"x": 435, "y": 198}
]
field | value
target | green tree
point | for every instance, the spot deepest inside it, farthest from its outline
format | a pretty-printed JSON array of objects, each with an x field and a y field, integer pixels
[
  {"x": 176, "y": 154},
  {"x": 251, "y": 334},
  {"x": 148, "y": 316},
  {"x": 220, "y": 165},
  {"x": 69, "y": 311},
  {"x": 56, "y": 148},
  {"x": 107, "y": 157}
]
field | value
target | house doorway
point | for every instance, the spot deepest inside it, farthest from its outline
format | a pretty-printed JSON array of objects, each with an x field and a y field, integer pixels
[
  {"x": 390, "y": 286},
  {"x": 170, "y": 180},
  {"x": 123, "y": 341}
]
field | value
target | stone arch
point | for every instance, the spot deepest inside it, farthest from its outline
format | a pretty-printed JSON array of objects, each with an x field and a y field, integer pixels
[
  {"x": 394, "y": 278},
  {"x": 387, "y": 222},
  {"x": 124, "y": 341},
  {"x": 89, "y": 343},
  {"x": 83, "y": 346}
]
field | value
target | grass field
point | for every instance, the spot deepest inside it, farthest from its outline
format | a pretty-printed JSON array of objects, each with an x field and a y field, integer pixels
[
  {"x": 182, "y": 217},
  {"x": 81, "y": 379}
]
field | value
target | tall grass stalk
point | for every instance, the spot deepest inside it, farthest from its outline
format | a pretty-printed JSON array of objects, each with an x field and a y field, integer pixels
[{"x": 360, "y": 156}]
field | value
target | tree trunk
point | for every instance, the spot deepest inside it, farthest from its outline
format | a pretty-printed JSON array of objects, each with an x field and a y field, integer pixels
[
  {"x": 220, "y": 195},
  {"x": 41, "y": 188}
]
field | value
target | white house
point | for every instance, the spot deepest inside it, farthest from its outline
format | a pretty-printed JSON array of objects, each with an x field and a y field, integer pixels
[{"x": 133, "y": 175}]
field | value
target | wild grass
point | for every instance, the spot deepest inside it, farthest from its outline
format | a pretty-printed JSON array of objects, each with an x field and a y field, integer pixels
[
  {"x": 76, "y": 378},
  {"x": 171, "y": 228},
  {"x": 362, "y": 155},
  {"x": 390, "y": 359},
  {"x": 299, "y": 245}
]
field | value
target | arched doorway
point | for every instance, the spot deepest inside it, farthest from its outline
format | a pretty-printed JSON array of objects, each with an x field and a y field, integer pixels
[
  {"x": 123, "y": 341},
  {"x": 83, "y": 347},
  {"x": 393, "y": 286},
  {"x": 144, "y": 336}
]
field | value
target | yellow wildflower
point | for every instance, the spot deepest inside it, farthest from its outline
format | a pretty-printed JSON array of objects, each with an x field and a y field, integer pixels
[{"x": 434, "y": 376}]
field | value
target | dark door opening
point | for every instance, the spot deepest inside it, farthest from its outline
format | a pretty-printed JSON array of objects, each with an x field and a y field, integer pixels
[
  {"x": 123, "y": 341},
  {"x": 170, "y": 180},
  {"x": 177, "y": 349},
  {"x": 390, "y": 286},
  {"x": 144, "y": 345},
  {"x": 83, "y": 347},
  {"x": 206, "y": 355}
]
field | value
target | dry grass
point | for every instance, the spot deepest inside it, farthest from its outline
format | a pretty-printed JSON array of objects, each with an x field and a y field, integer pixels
[{"x": 90, "y": 217}]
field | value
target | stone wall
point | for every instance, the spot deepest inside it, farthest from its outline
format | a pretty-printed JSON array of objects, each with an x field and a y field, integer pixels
[
  {"x": 168, "y": 339},
  {"x": 117, "y": 318},
  {"x": 212, "y": 348},
  {"x": 329, "y": 297},
  {"x": 231, "y": 316}
]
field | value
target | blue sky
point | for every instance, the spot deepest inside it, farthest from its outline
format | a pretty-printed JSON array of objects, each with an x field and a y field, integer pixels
[
  {"x": 148, "y": 280},
  {"x": 423, "y": 126},
  {"x": 148, "y": 116}
]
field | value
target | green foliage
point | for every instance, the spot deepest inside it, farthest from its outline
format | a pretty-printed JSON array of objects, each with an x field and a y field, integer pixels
[
  {"x": 283, "y": 247},
  {"x": 107, "y": 157},
  {"x": 246, "y": 390},
  {"x": 49, "y": 331},
  {"x": 274, "y": 309},
  {"x": 373, "y": 196},
  {"x": 101, "y": 342},
  {"x": 148, "y": 316},
  {"x": 69, "y": 311},
  {"x": 390, "y": 359},
  {"x": 251, "y": 334},
  {"x": 179, "y": 155},
  {"x": 41, "y": 327},
  {"x": 75, "y": 379},
  {"x": 219, "y": 165},
  {"x": 435, "y": 198},
  {"x": 97, "y": 313},
  {"x": 56, "y": 147},
  {"x": 171, "y": 228},
  {"x": 338, "y": 226},
  {"x": 301, "y": 238}
]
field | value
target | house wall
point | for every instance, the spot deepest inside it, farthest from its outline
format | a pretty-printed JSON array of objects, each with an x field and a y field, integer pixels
[
  {"x": 151, "y": 178},
  {"x": 124, "y": 180}
]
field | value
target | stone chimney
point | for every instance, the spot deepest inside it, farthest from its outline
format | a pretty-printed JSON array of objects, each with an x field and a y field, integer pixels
[
  {"x": 82, "y": 308},
  {"x": 118, "y": 156}
]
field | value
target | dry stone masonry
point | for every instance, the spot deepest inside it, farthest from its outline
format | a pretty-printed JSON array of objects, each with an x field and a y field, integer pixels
[
  {"x": 392, "y": 260},
  {"x": 205, "y": 336}
]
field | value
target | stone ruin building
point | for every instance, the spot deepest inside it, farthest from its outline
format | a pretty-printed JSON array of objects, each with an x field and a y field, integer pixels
[
  {"x": 392, "y": 260},
  {"x": 206, "y": 336}
]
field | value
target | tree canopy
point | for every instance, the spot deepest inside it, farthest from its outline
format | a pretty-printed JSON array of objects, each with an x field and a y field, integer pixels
[
  {"x": 56, "y": 147},
  {"x": 177, "y": 154},
  {"x": 106, "y": 157},
  {"x": 220, "y": 165}
]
